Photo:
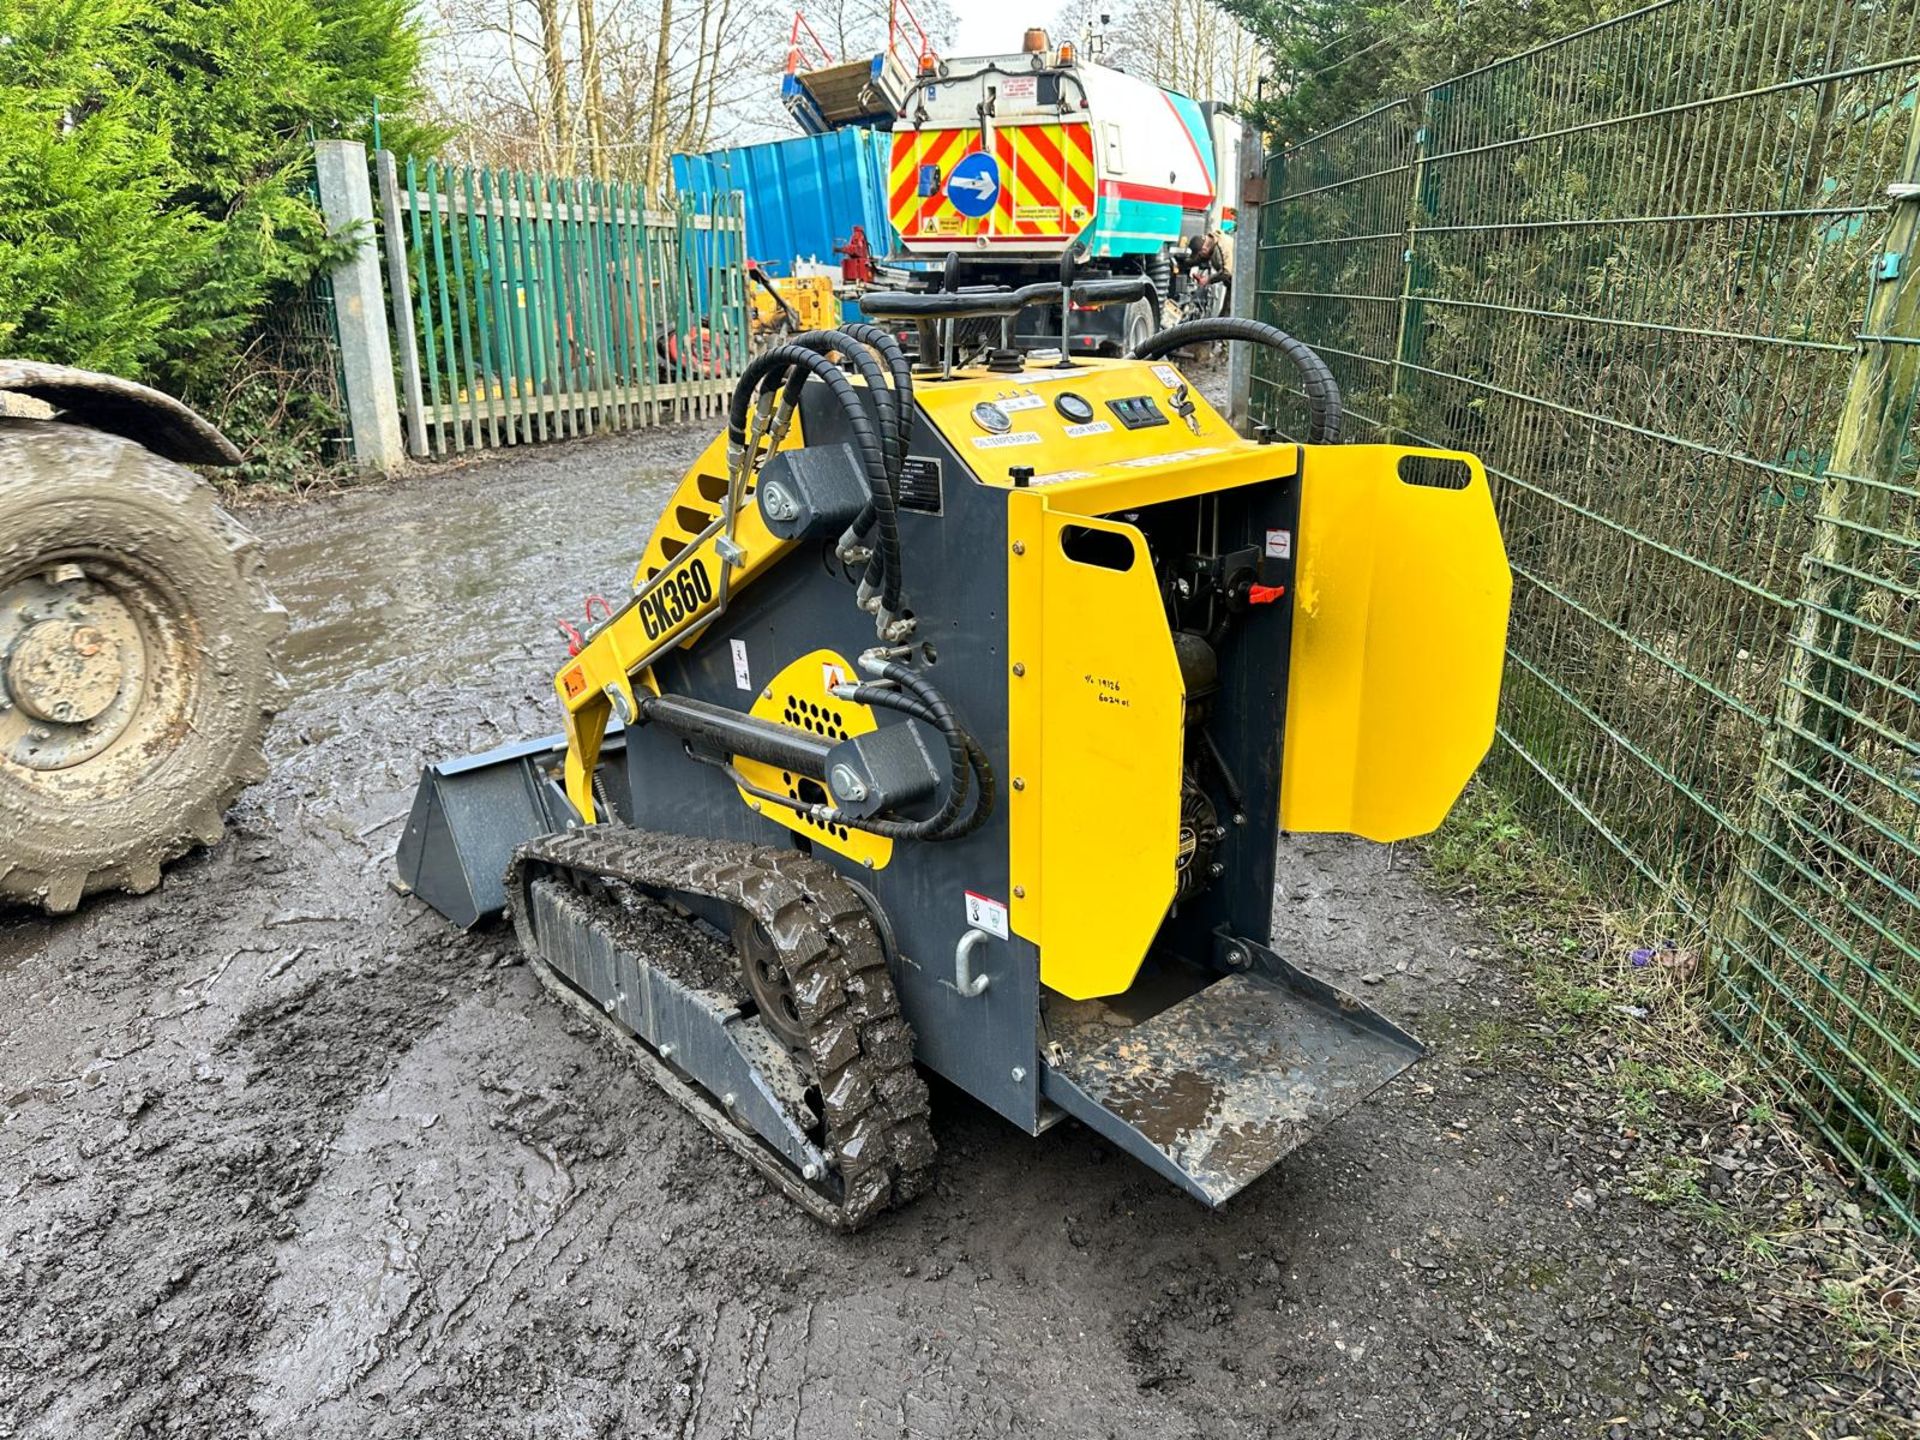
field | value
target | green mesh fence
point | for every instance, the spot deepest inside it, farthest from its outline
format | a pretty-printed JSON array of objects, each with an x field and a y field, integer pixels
[
  {"x": 1660, "y": 274},
  {"x": 546, "y": 307}
]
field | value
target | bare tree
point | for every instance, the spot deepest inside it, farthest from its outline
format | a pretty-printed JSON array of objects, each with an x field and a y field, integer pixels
[{"x": 1191, "y": 46}]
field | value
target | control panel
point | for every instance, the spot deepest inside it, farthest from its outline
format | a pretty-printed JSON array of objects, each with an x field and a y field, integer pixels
[{"x": 1137, "y": 412}]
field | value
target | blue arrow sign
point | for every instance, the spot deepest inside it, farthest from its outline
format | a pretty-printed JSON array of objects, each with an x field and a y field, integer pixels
[{"x": 974, "y": 184}]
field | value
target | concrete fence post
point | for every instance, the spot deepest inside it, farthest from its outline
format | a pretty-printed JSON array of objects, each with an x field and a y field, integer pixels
[{"x": 366, "y": 352}]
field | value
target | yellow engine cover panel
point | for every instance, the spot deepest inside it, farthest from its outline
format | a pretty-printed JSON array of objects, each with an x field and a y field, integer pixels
[
  {"x": 1399, "y": 634},
  {"x": 1097, "y": 717}
]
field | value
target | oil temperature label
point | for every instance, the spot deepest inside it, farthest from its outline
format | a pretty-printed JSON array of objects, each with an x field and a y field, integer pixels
[
  {"x": 920, "y": 485},
  {"x": 1092, "y": 427},
  {"x": 1001, "y": 442},
  {"x": 986, "y": 914}
]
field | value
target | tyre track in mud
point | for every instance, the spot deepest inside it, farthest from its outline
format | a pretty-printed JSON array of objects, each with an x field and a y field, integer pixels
[{"x": 282, "y": 1153}]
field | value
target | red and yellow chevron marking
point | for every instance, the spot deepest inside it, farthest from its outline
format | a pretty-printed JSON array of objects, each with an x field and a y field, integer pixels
[{"x": 1046, "y": 184}]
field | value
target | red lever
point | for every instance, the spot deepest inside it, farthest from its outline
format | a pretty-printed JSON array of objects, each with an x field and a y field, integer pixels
[{"x": 1264, "y": 594}]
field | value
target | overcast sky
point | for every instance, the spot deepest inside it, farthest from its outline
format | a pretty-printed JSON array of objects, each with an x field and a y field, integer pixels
[{"x": 989, "y": 27}]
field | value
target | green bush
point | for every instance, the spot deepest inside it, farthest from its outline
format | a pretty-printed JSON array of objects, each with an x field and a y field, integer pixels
[{"x": 154, "y": 169}]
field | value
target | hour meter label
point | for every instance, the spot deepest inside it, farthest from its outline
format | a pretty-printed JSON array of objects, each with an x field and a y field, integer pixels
[
  {"x": 1001, "y": 442},
  {"x": 1280, "y": 544},
  {"x": 986, "y": 914},
  {"x": 679, "y": 593},
  {"x": 742, "y": 676},
  {"x": 1095, "y": 427}
]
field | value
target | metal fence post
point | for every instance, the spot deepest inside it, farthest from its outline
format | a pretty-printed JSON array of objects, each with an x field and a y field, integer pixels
[
  {"x": 1246, "y": 287},
  {"x": 1855, "y": 503},
  {"x": 1408, "y": 337},
  {"x": 346, "y": 202},
  {"x": 400, "y": 287}
]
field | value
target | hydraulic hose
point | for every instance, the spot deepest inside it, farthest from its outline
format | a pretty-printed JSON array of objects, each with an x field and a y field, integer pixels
[
  {"x": 842, "y": 342},
  {"x": 796, "y": 363},
  {"x": 879, "y": 339},
  {"x": 918, "y": 700},
  {"x": 977, "y": 758},
  {"x": 1316, "y": 379}
]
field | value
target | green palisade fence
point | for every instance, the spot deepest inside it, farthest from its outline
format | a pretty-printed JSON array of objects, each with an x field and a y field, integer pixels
[
  {"x": 547, "y": 307},
  {"x": 1662, "y": 275}
]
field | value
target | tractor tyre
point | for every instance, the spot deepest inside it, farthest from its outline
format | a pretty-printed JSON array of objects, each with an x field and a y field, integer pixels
[{"x": 136, "y": 663}]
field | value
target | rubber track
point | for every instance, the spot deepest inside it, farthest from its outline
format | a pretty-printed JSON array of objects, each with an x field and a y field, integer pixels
[{"x": 861, "y": 1046}]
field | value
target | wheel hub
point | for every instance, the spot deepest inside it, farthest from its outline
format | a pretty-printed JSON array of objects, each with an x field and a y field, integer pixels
[
  {"x": 768, "y": 983},
  {"x": 65, "y": 672},
  {"x": 72, "y": 668}
]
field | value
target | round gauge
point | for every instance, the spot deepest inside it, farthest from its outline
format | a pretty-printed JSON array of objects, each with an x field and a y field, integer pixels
[
  {"x": 1073, "y": 408},
  {"x": 991, "y": 418}
]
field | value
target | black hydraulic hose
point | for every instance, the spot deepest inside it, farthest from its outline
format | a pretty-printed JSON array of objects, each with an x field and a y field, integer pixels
[
  {"x": 843, "y": 342},
  {"x": 901, "y": 368},
  {"x": 883, "y": 569},
  {"x": 878, "y": 338},
  {"x": 793, "y": 360},
  {"x": 907, "y": 704},
  {"x": 940, "y": 716},
  {"x": 1316, "y": 379}
]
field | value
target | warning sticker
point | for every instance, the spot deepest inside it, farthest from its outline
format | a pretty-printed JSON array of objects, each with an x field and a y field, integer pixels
[
  {"x": 1020, "y": 87},
  {"x": 1001, "y": 442},
  {"x": 984, "y": 913},
  {"x": 1092, "y": 427},
  {"x": 575, "y": 682},
  {"x": 1037, "y": 214},
  {"x": 1280, "y": 544},
  {"x": 742, "y": 676},
  {"x": 1141, "y": 462},
  {"x": 832, "y": 675}
]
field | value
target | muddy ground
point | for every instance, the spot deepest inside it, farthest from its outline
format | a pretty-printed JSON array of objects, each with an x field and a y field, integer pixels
[{"x": 281, "y": 1153}]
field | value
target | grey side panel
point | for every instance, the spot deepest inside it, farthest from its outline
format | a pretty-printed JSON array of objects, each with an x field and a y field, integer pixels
[
  {"x": 104, "y": 402},
  {"x": 956, "y": 582}
]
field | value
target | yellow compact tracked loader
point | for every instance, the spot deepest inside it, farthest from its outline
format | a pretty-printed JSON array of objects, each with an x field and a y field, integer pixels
[{"x": 953, "y": 722}]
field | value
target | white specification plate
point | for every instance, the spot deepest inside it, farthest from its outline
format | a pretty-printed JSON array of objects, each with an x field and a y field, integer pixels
[{"x": 742, "y": 676}]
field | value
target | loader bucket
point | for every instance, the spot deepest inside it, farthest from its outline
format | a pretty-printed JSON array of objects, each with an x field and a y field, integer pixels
[
  {"x": 1215, "y": 1088},
  {"x": 468, "y": 815}
]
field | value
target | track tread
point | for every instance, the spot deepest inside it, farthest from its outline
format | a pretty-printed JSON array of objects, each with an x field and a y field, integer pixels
[{"x": 875, "y": 1102}]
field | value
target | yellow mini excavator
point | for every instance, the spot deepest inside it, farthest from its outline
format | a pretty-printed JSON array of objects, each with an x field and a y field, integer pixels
[{"x": 953, "y": 722}]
